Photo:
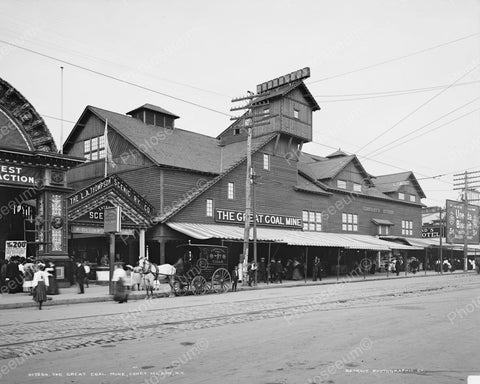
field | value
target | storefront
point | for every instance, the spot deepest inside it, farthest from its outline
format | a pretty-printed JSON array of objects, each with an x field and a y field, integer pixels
[
  {"x": 88, "y": 241},
  {"x": 33, "y": 186}
]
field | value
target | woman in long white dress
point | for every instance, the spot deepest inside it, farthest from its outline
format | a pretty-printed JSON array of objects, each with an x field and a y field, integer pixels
[{"x": 40, "y": 284}]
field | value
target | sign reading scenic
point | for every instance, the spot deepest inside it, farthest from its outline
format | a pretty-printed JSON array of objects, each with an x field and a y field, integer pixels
[
  {"x": 237, "y": 217},
  {"x": 458, "y": 226}
]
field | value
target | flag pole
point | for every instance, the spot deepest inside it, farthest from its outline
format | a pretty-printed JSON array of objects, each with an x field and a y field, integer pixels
[{"x": 106, "y": 147}]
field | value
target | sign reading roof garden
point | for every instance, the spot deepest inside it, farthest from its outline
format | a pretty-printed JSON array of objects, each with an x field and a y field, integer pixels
[{"x": 238, "y": 217}]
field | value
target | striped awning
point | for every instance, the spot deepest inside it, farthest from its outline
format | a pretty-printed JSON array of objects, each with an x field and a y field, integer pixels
[{"x": 290, "y": 237}]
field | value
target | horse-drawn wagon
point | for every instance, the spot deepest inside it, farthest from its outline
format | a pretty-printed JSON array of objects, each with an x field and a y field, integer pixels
[{"x": 202, "y": 268}]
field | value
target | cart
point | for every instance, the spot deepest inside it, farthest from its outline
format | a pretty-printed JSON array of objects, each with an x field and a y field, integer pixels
[{"x": 201, "y": 269}]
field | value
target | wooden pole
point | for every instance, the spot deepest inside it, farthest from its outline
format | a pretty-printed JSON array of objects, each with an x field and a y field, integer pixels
[
  {"x": 338, "y": 263},
  {"x": 112, "y": 261},
  {"x": 305, "y": 265}
]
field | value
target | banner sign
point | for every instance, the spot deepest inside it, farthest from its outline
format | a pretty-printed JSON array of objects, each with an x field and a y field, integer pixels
[
  {"x": 79, "y": 229},
  {"x": 18, "y": 175},
  {"x": 96, "y": 215},
  {"x": 119, "y": 185},
  {"x": 15, "y": 248},
  {"x": 237, "y": 217},
  {"x": 456, "y": 221}
]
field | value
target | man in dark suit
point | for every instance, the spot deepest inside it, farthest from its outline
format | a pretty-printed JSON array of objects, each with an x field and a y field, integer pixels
[{"x": 80, "y": 276}]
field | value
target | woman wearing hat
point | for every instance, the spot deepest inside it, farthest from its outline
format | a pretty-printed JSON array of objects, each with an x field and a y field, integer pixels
[{"x": 40, "y": 284}]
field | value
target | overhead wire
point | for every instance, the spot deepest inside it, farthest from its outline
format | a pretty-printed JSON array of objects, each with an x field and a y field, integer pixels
[
  {"x": 99, "y": 73},
  {"x": 418, "y": 108},
  {"x": 394, "y": 59},
  {"x": 400, "y": 90},
  {"x": 379, "y": 150},
  {"x": 379, "y": 95}
]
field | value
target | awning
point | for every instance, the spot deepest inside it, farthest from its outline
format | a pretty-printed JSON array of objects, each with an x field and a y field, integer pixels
[
  {"x": 290, "y": 237},
  {"x": 382, "y": 222},
  {"x": 375, "y": 241}
]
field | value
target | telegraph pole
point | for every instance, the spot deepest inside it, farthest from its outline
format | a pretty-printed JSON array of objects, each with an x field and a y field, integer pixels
[
  {"x": 466, "y": 181},
  {"x": 247, "y": 122}
]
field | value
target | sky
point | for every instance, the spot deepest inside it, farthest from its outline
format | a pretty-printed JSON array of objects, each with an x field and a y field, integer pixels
[{"x": 381, "y": 70}]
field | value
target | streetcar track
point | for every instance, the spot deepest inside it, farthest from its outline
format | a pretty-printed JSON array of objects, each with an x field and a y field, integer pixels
[
  {"x": 290, "y": 308},
  {"x": 132, "y": 312}
]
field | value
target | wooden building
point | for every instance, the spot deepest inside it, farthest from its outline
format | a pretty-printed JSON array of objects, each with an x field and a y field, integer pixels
[{"x": 195, "y": 184}]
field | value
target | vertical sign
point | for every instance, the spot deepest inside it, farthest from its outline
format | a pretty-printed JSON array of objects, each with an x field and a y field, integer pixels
[
  {"x": 456, "y": 230},
  {"x": 112, "y": 220}
]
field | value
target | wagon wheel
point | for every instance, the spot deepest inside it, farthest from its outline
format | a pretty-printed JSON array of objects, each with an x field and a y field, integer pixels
[
  {"x": 221, "y": 280},
  {"x": 199, "y": 285},
  {"x": 180, "y": 285}
]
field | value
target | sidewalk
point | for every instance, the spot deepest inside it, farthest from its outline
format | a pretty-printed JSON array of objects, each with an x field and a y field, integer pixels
[{"x": 99, "y": 293}]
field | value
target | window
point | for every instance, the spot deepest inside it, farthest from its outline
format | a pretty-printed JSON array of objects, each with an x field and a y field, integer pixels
[
  {"x": 231, "y": 191},
  {"x": 413, "y": 198},
  {"x": 266, "y": 162},
  {"x": 266, "y": 112},
  {"x": 209, "y": 207},
  {"x": 357, "y": 187},
  {"x": 401, "y": 196},
  {"x": 384, "y": 230},
  {"x": 236, "y": 131},
  {"x": 342, "y": 184},
  {"x": 312, "y": 221},
  {"x": 94, "y": 148},
  {"x": 296, "y": 113},
  {"x": 407, "y": 228},
  {"x": 349, "y": 222}
]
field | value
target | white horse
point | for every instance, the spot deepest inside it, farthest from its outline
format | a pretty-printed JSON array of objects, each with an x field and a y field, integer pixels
[{"x": 152, "y": 272}]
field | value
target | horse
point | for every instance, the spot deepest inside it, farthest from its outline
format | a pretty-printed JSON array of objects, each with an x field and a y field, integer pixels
[{"x": 152, "y": 272}]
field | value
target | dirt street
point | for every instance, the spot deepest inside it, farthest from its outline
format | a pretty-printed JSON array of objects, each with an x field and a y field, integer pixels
[{"x": 403, "y": 331}]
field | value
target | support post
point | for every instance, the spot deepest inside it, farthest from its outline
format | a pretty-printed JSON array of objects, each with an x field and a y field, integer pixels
[
  {"x": 338, "y": 263},
  {"x": 161, "y": 244},
  {"x": 141, "y": 244},
  {"x": 305, "y": 265},
  {"x": 112, "y": 261}
]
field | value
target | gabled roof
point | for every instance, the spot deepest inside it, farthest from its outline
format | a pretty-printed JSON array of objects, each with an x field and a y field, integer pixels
[
  {"x": 338, "y": 153},
  {"x": 392, "y": 182},
  {"x": 176, "y": 148},
  {"x": 155, "y": 109},
  {"x": 305, "y": 185},
  {"x": 256, "y": 146},
  {"x": 285, "y": 90},
  {"x": 329, "y": 168}
]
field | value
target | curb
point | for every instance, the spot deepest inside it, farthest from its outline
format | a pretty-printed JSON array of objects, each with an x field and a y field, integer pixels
[{"x": 141, "y": 296}]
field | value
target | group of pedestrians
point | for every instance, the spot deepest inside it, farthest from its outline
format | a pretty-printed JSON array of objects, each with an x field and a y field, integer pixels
[{"x": 37, "y": 278}]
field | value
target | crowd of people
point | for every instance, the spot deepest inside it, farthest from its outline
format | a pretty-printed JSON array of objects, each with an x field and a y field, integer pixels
[{"x": 35, "y": 277}]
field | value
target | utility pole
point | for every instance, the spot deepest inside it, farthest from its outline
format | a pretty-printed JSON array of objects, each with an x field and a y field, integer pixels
[
  {"x": 466, "y": 181},
  {"x": 247, "y": 122}
]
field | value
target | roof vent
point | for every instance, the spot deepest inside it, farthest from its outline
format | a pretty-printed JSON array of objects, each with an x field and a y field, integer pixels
[{"x": 153, "y": 115}]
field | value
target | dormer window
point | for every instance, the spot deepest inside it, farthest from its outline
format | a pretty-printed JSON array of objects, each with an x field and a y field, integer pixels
[
  {"x": 342, "y": 184},
  {"x": 413, "y": 198},
  {"x": 401, "y": 196},
  {"x": 357, "y": 187},
  {"x": 236, "y": 131},
  {"x": 296, "y": 113}
]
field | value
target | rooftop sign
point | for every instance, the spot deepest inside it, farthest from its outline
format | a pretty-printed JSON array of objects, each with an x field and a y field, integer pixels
[{"x": 285, "y": 79}]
